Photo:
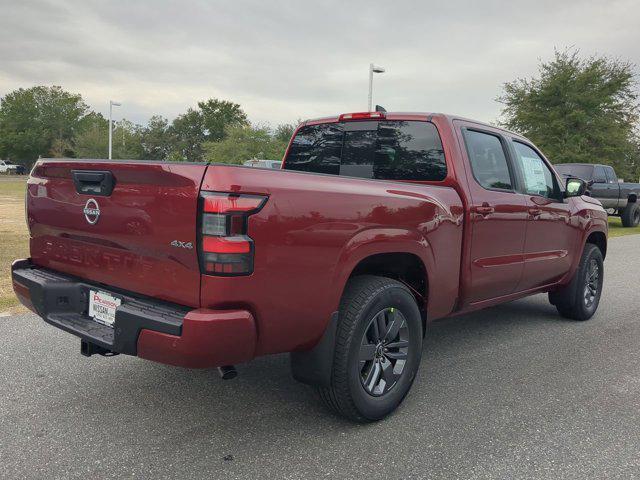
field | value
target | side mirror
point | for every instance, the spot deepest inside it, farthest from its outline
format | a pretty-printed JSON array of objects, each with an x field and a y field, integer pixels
[{"x": 575, "y": 187}]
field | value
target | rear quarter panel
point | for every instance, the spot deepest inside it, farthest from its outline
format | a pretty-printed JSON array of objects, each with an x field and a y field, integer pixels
[{"x": 312, "y": 233}]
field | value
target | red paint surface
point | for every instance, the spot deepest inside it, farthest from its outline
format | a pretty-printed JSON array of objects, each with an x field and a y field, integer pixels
[
  {"x": 129, "y": 247},
  {"x": 479, "y": 247},
  {"x": 209, "y": 339}
]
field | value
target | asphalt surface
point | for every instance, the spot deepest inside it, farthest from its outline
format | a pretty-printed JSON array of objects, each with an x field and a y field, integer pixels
[{"x": 510, "y": 392}]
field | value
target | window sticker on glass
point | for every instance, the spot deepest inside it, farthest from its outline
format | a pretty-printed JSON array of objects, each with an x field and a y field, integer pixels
[
  {"x": 538, "y": 179},
  {"x": 534, "y": 177}
]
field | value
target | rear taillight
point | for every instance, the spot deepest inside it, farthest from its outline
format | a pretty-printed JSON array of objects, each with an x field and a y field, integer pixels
[{"x": 225, "y": 246}]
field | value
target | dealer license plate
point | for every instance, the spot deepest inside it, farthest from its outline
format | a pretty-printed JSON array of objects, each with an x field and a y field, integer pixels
[{"x": 102, "y": 307}]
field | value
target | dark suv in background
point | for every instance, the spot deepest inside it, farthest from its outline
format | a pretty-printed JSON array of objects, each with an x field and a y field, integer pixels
[{"x": 605, "y": 186}]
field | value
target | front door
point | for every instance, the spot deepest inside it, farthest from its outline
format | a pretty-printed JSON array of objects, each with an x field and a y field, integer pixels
[
  {"x": 604, "y": 190},
  {"x": 498, "y": 215},
  {"x": 551, "y": 238}
]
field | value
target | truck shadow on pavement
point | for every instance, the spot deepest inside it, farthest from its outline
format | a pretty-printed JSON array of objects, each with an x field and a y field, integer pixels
[
  {"x": 264, "y": 399},
  {"x": 483, "y": 376}
]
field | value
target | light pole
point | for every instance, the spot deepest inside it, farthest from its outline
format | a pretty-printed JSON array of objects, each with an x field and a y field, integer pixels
[
  {"x": 111, "y": 105},
  {"x": 373, "y": 69}
]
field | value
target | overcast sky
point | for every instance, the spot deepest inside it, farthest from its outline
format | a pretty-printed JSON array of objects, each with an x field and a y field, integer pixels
[{"x": 287, "y": 60}]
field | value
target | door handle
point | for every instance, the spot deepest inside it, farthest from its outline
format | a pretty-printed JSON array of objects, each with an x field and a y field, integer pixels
[
  {"x": 484, "y": 209},
  {"x": 535, "y": 212}
]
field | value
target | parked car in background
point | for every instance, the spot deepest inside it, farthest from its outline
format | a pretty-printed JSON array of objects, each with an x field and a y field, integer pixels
[
  {"x": 254, "y": 162},
  {"x": 619, "y": 198},
  {"x": 7, "y": 167},
  {"x": 377, "y": 224}
]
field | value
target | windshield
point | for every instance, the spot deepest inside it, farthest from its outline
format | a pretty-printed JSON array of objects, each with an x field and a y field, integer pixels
[{"x": 581, "y": 171}]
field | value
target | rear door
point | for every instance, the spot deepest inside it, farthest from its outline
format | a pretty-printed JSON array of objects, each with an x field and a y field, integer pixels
[
  {"x": 139, "y": 234},
  {"x": 498, "y": 216}
]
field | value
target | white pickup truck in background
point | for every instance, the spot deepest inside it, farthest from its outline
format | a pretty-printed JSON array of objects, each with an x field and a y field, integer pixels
[{"x": 7, "y": 167}]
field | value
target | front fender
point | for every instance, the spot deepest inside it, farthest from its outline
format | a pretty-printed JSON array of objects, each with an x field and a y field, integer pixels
[{"x": 589, "y": 221}]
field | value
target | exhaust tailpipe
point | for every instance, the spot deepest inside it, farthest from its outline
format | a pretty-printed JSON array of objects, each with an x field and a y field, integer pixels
[{"x": 227, "y": 372}]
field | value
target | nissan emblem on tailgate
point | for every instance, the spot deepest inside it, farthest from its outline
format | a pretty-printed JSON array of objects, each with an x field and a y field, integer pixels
[{"x": 92, "y": 211}]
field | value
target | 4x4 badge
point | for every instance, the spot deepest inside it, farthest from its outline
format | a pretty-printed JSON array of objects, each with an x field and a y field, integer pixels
[{"x": 179, "y": 244}]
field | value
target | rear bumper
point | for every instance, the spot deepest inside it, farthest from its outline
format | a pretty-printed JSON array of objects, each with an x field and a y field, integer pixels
[{"x": 151, "y": 329}]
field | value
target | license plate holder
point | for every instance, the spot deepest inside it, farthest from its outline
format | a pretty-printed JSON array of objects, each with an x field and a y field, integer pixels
[{"x": 103, "y": 306}]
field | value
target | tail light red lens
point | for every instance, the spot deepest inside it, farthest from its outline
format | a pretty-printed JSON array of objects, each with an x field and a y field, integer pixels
[
  {"x": 225, "y": 246},
  {"x": 230, "y": 203}
]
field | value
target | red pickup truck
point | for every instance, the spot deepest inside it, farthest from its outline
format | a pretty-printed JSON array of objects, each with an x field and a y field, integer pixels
[{"x": 377, "y": 224}]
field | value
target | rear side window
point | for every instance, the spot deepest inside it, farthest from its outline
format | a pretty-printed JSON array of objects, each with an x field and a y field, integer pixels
[
  {"x": 391, "y": 150},
  {"x": 488, "y": 160}
]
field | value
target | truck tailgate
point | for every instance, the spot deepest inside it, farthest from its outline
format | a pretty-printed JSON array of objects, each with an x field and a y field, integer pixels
[{"x": 139, "y": 237}]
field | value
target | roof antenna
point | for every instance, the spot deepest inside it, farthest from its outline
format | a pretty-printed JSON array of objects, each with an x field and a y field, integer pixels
[{"x": 380, "y": 108}]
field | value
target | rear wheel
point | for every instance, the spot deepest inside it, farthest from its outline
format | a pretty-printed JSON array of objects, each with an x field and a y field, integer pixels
[
  {"x": 580, "y": 298},
  {"x": 631, "y": 215},
  {"x": 378, "y": 349}
]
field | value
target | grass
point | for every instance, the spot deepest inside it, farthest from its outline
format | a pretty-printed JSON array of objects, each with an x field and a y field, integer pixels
[
  {"x": 14, "y": 237},
  {"x": 617, "y": 230}
]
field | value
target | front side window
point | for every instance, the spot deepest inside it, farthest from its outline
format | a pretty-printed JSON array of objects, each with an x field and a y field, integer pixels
[
  {"x": 611, "y": 175},
  {"x": 387, "y": 150},
  {"x": 538, "y": 178},
  {"x": 598, "y": 174},
  {"x": 488, "y": 160}
]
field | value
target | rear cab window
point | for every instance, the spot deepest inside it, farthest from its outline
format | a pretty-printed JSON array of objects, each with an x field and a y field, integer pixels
[{"x": 386, "y": 149}]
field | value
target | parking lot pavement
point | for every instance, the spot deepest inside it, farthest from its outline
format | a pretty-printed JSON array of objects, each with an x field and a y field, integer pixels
[{"x": 510, "y": 392}]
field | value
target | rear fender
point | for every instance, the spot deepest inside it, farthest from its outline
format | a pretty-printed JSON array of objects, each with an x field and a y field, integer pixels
[{"x": 376, "y": 241}]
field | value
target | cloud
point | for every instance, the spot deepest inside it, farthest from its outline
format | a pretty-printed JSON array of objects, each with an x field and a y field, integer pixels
[{"x": 286, "y": 60}]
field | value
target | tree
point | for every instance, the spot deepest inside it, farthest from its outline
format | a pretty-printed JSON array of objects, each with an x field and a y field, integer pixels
[
  {"x": 242, "y": 143},
  {"x": 157, "y": 140},
  {"x": 93, "y": 139},
  {"x": 187, "y": 131},
  {"x": 284, "y": 131},
  {"x": 578, "y": 110},
  {"x": 207, "y": 123},
  {"x": 39, "y": 121},
  {"x": 218, "y": 115}
]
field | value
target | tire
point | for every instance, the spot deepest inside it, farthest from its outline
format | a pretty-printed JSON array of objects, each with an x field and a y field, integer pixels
[
  {"x": 360, "y": 390},
  {"x": 580, "y": 298},
  {"x": 631, "y": 215}
]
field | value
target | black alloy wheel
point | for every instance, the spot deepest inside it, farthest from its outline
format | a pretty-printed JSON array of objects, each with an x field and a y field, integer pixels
[{"x": 383, "y": 351}]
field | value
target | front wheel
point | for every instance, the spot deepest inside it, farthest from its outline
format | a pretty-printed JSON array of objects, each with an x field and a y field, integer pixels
[
  {"x": 580, "y": 298},
  {"x": 378, "y": 349}
]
